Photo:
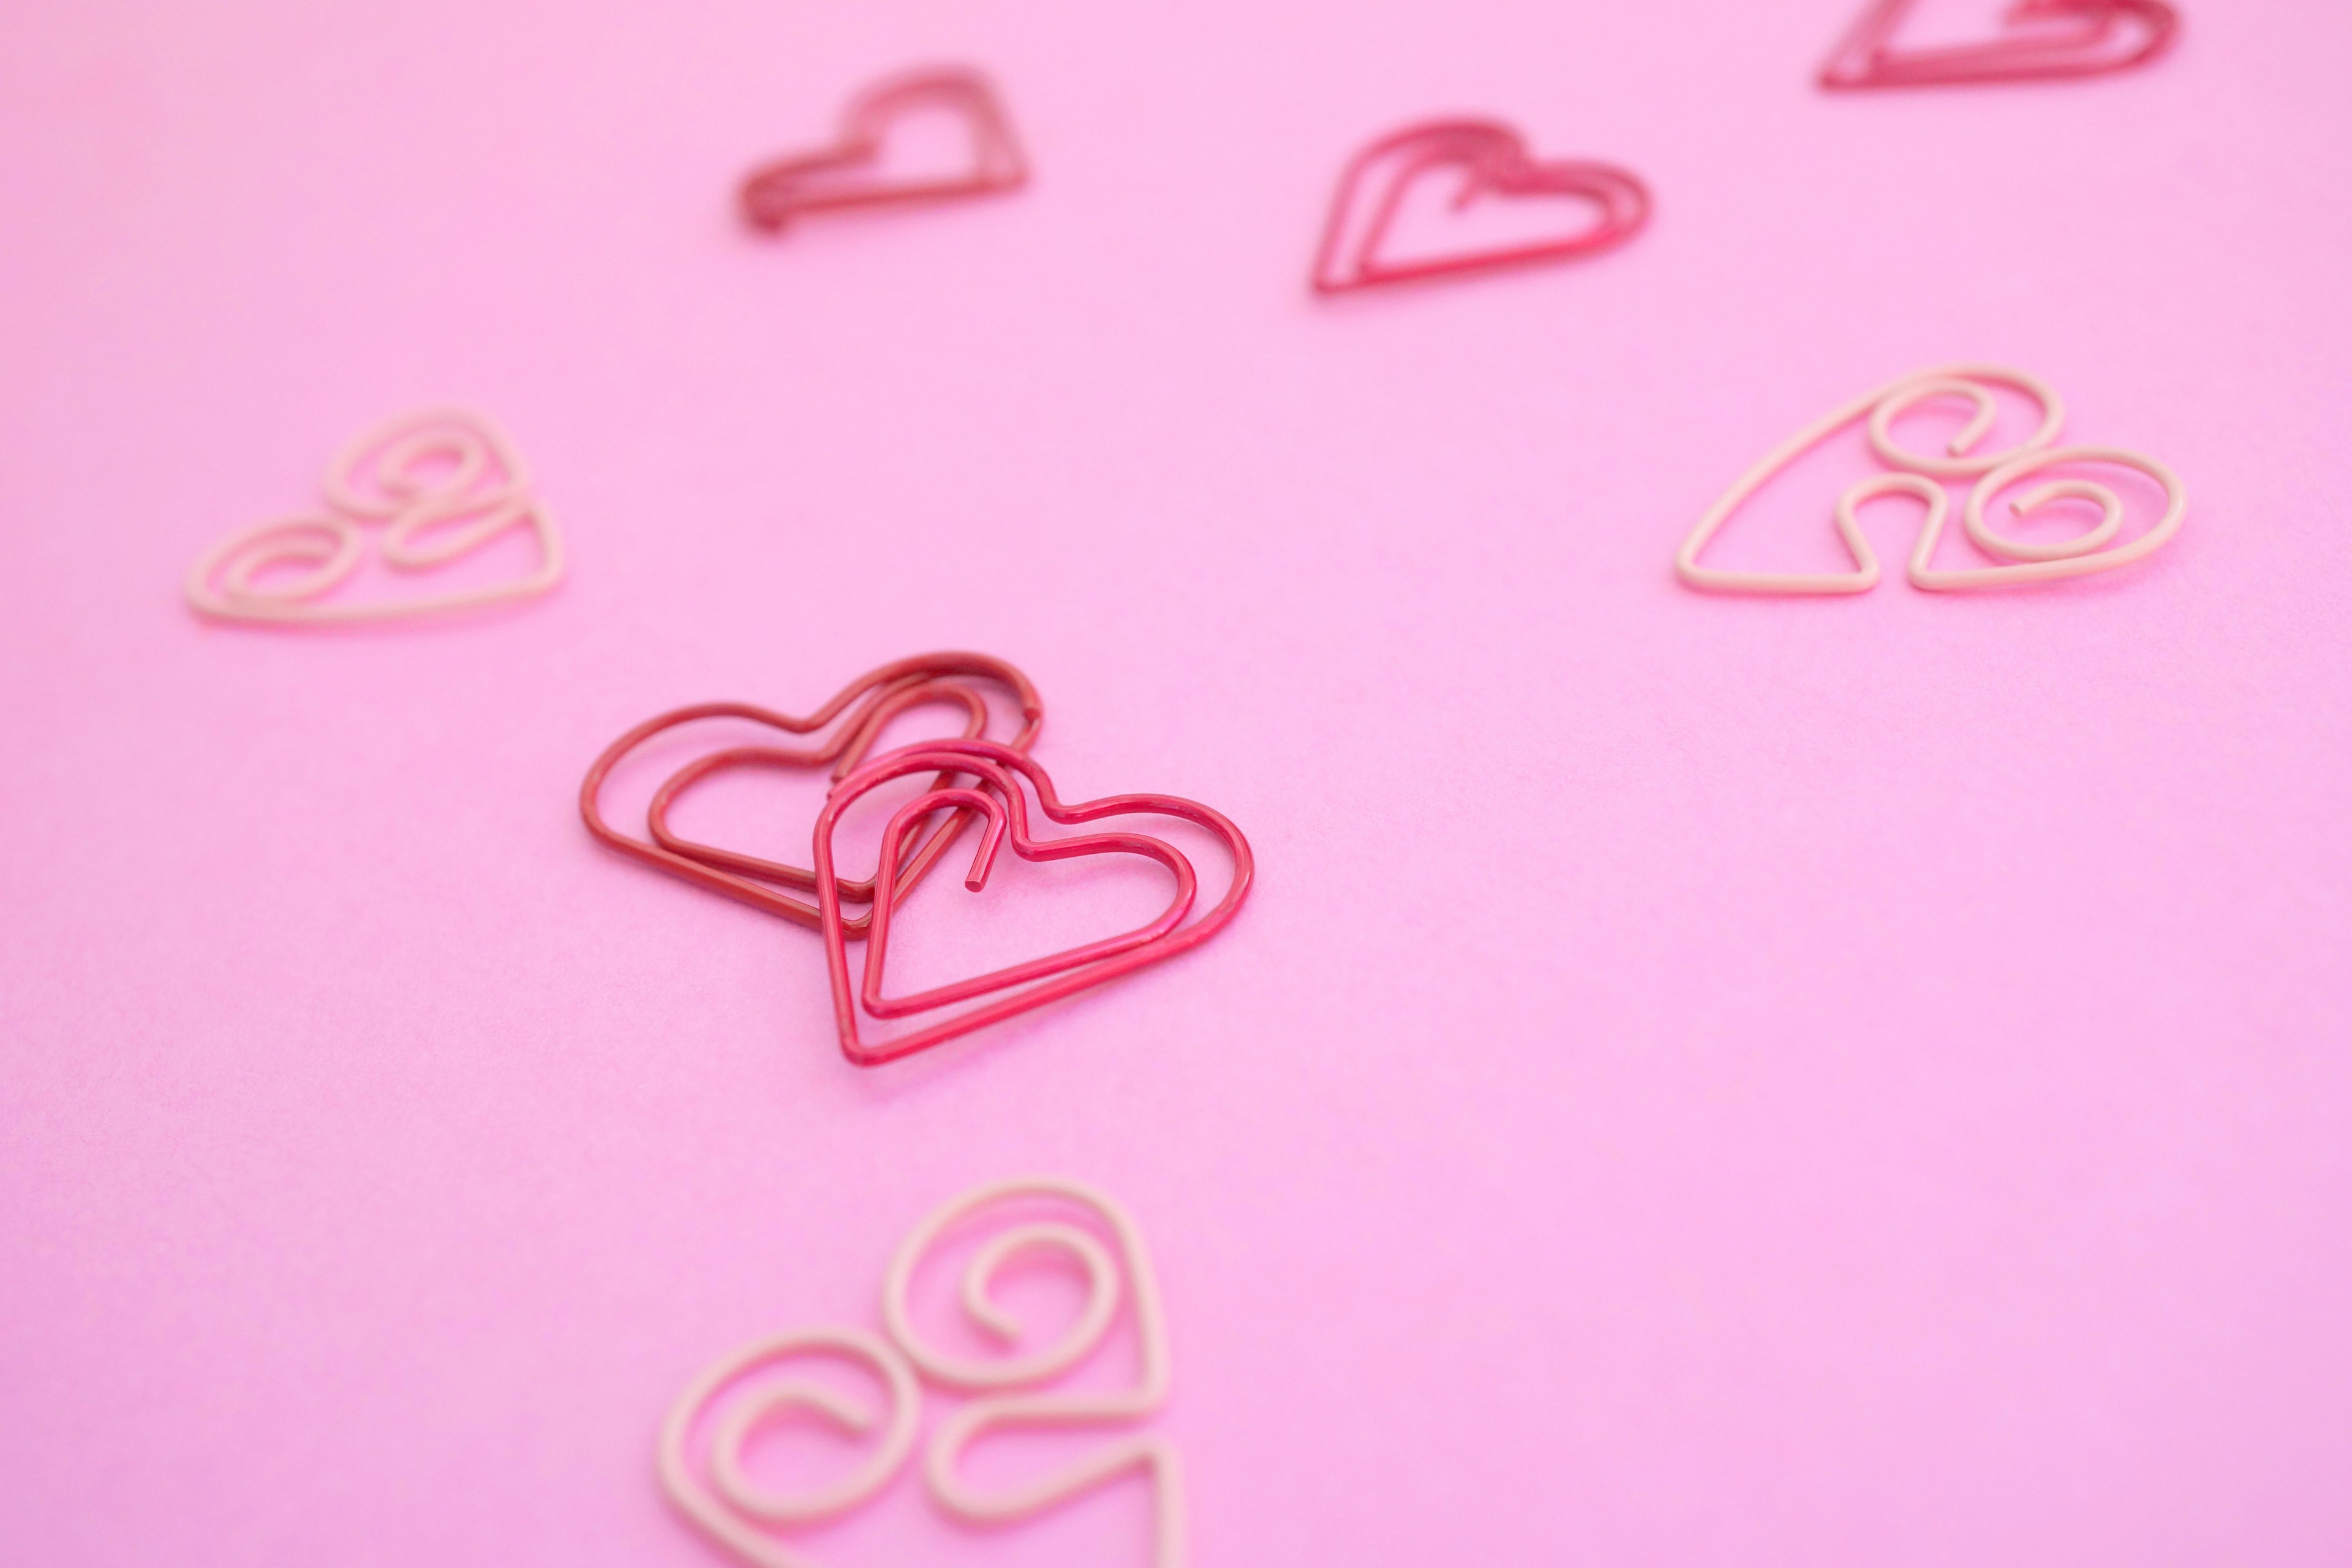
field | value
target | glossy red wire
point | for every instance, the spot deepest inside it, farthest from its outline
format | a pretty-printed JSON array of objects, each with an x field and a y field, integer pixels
[
  {"x": 1496, "y": 159},
  {"x": 1864, "y": 60},
  {"x": 1002, "y": 769},
  {"x": 886, "y": 691},
  {"x": 819, "y": 180}
]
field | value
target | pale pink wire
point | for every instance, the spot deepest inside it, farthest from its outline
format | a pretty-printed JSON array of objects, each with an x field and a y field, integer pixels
[
  {"x": 729, "y": 1507},
  {"x": 1002, "y": 769},
  {"x": 225, "y": 580},
  {"x": 2038, "y": 563},
  {"x": 1001, "y": 1409}
]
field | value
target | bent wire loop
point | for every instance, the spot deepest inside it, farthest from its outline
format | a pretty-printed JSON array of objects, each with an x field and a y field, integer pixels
[
  {"x": 1865, "y": 58},
  {"x": 995, "y": 1378},
  {"x": 1918, "y": 475},
  {"x": 1495, "y": 160},
  {"x": 720, "y": 1495},
  {"x": 822, "y": 179},
  {"x": 699, "y": 1455},
  {"x": 1002, "y": 770},
  {"x": 443, "y": 482},
  {"x": 879, "y": 694}
]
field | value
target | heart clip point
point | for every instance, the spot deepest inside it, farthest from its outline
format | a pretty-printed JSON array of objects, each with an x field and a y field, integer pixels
[
  {"x": 848, "y": 173},
  {"x": 1492, "y": 164}
]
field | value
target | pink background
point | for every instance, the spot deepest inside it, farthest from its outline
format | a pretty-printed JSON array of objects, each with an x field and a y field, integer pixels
[{"x": 1701, "y": 1081}]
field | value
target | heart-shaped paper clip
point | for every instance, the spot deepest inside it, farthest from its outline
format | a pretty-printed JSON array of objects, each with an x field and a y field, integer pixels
[
  {"x": 700, "y": 1457},
  {"x": 829, "y": 178},
  {"x": 443, "y": 482},
  {"x": 2115, "y": 35},
  {"x": 1003, "y": 1410},
  {"x": 886, "y": 691},
  {"x": 1001, "y": 770},
  {"x": 1495, "y": 163},
  {"x": 1917, "y": 474}
]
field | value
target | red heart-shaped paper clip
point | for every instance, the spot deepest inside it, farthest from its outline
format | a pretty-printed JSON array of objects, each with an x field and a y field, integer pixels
[
  {"x": 1001, "y": 771},
  {"x": 886, "y": 692},
  {"x": 2115, "y": 35},
  {"x": 842, "y": 175},
  {"x": 1493, "y": 163}
]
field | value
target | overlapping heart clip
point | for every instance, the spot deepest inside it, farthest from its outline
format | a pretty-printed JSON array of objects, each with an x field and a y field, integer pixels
[
  {"x": 1491, "y": 164},
  {"x": 2101, "y": 547},
  {"x": 2043, "y": 40},
  {"x": 435, "y": 487},
  {"x": 971, "y": 779},
  {"x": 848, "y": 173},
  {"x": 704, "y": 1457}
]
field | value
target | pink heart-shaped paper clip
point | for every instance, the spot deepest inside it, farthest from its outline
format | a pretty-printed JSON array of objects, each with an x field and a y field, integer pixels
[
  {"x": 435, "y": 486},
  {"x": 1495, "y": 164},
  {"x": 839, "y": 176},
  {"x": 1917, "y": 474},
  {"x": 1006, "y": 1384}
]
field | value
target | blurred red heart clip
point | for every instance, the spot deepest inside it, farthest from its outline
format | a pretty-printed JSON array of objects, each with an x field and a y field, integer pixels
[
  {"x": 921, "y": 830},
  {"x": 1495, "y": 164},
  {"x": 880, "y": 695},
  {"x": 1002, "y": 772},
  {"x": 2115, "y": 35},
  {"x": 842, "y": 175}
]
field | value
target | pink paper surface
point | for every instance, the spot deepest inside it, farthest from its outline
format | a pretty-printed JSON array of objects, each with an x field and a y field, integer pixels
[{"x": 1701, "y": 1081}]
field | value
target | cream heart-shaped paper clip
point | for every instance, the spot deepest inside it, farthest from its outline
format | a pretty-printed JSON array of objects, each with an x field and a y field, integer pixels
[
  {"x": 1918, "y": 474},
  {"x": 701, "y": 1455},
  {"x": 440, "y": 482},
  {"x": 999, "y": 1411}
]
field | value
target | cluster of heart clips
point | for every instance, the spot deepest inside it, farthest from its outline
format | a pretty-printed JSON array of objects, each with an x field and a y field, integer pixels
[
  {"x": 1484, "y": 159},
  {"x": 433, "y": 489},
  {"x": 703, "y": 1455},
  {"x": 414, "y": 503},
  {"x": 972, "y": 780}
]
